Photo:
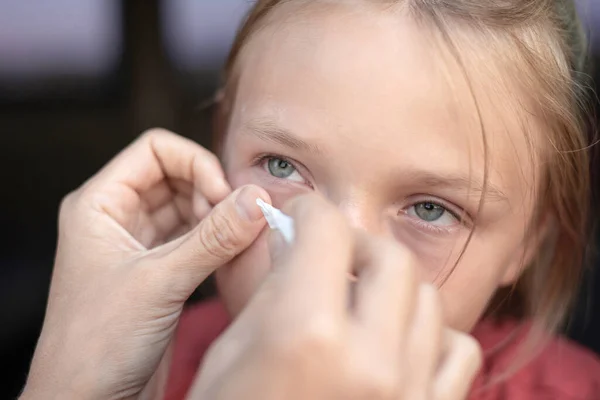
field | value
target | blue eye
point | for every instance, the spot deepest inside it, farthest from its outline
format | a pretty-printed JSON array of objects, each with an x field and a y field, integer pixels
[
  {"x": 432, "y": 213},
  {"x": 280, "y": 168},
  {"x": 429, "y": 211},
  {"x": 283, "y": 169}
]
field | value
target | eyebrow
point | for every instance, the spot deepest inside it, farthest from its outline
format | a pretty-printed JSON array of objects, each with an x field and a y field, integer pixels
[
  {"x": 469, "y": 184},
  {"x": 270, "y": 132}
]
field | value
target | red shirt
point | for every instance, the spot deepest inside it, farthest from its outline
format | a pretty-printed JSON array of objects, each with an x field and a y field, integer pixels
[{"x": 561, "y": 371}]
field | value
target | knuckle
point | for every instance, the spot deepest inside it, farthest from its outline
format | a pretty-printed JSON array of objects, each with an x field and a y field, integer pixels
[
  {"x": 219, "y": 237},
  {"x": 67, "y": 205},
  {"x": 155, "y": 134},
  {"x": 209, "y": 157},
  {"x": 71, "y": 204}
]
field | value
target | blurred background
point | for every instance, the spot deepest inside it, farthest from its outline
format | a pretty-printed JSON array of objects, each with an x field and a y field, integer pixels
[{"x": 79, "y": 80}]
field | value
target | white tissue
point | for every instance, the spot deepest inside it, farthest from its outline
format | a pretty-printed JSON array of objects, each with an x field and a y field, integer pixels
[{"x": 278, "y": 220}]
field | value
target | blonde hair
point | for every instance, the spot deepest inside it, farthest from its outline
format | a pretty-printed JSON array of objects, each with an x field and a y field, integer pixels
[{"x": 549, "y": 45}]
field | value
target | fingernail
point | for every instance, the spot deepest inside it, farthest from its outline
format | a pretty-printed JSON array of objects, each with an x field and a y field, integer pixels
[
  {"x": 246, "y": 205},
  {"x": 277, "y": 244}
]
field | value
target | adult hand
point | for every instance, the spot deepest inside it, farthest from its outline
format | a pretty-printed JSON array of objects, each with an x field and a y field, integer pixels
[
  {"x": 299, "y": 339},
  {"x": 134, "y": 243}
]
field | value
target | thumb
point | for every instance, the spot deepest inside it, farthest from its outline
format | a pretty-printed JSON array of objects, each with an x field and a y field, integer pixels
[{"x": 230, "y": 228}]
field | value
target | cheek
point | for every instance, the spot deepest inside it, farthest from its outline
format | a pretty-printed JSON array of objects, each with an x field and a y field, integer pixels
[
  {"x": 240, "y": 278},
  {"x": 237, "y": 176},
  {"x": 437, "y": 256},
  {"x": 470, "y": 286},
  {"x": 464, "y": 301}
]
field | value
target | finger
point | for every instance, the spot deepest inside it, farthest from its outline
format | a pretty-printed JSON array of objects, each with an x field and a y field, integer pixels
[
  {"x": 201, "y": 207},
  {"x": 163, "y": 192},
  {"x": 172, "y": 220},
  {"x": 184, "y": 206},
  {"x": 177, "y": 233},
  {"x": 422, "y": 352},
  {"x": 459, "y": 367},
  {"x": 182, "y": 187},
  {"x": 156, "y": 196},
  {"x": 158, "y": 155},
  {"x": 163, "y": 224},
  {"x": 173, "y": 214},
  {"x": 385, "y": 292},
  {"x": 160, "y": 223},
  {"x": 317, "y": 262},
  {"x": 228, "y": 230}
]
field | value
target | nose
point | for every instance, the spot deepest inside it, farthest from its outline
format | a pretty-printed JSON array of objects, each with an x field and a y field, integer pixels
[{"x": 363, "y": 215}]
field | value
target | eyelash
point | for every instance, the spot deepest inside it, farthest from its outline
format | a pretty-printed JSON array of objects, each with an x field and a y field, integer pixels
[{"x": 461, "y": 216}]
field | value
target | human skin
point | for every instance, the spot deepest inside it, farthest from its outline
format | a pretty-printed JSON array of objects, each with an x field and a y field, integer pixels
[{"x": 355, "y": 103}]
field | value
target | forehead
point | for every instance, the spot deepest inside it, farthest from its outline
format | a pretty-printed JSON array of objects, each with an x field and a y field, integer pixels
[{"x": 378, "y": 87}]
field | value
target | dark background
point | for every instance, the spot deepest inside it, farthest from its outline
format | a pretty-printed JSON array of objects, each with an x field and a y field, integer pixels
[{"x": 79, "y": 80}]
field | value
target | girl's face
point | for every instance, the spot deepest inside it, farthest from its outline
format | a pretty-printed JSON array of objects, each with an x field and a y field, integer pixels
[{"x": 360, "y": 106}]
